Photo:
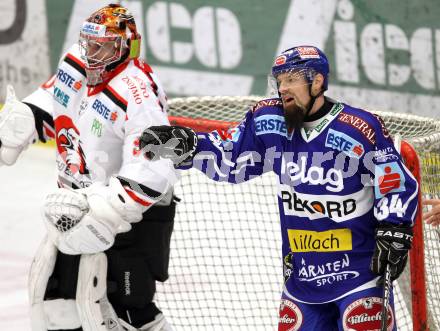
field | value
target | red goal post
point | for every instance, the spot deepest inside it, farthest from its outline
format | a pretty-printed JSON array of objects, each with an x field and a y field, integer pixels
[
  {"x": 417, "y": 253},
  {"x": 417, "y": 294}
]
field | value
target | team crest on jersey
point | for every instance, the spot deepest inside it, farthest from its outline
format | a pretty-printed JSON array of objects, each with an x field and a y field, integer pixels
[
  {"x": 366, "y": 314},
  {"x": 290, "y": 316},
  {"x": 69, "y": 146}
]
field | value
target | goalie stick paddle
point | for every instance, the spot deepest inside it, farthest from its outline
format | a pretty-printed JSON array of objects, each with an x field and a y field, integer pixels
[{"x": 385, "y": 297}]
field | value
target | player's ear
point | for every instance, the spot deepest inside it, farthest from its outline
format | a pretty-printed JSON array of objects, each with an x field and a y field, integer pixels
[{"x": 318, "y": 82}]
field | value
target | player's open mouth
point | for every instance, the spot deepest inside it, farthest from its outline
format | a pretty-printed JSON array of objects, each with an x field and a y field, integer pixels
[{"x": 287, "y": 100}]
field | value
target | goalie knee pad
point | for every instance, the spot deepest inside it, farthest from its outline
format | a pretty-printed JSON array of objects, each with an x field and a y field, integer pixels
[
  {"x": 49, "y": 313},
  {"x": 69, "y": 292},
  {"x": 95, "y": 311}
]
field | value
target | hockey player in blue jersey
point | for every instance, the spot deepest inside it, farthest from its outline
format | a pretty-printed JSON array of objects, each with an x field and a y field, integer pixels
[{"x": 347, "y": 202}]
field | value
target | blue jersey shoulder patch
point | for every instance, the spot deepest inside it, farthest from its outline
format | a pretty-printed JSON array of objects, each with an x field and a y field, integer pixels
[
  {"x": 389, "y": 178},
  {"x": 267, "y": 124}
]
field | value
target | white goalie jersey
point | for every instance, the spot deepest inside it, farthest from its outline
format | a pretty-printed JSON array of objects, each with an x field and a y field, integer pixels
[{"x": 97, "y": 128}]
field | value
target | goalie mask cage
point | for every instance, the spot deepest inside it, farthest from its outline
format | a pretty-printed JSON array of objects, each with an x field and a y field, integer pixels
[{"x": 226, "y": 265}]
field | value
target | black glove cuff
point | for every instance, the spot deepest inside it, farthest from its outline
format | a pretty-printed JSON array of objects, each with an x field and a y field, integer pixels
[{"x": 402, "y": 234}]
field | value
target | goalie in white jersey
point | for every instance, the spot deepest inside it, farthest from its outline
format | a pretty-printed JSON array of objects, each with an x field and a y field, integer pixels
[{"x": 106, "y": 244}]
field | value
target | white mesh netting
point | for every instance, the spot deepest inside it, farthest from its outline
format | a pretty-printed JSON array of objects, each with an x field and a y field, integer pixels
[{"x": 226, "y": 268}]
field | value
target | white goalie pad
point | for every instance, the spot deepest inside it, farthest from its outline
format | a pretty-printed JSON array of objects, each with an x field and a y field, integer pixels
[
  {"x": 95, "y": 311},
  {"x": 158, "y": 324},
  {"x": 54, "y": 314}
]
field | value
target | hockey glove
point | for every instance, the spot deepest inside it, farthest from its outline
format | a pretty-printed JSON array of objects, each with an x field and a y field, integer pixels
[
  {"x": 86, "y": 221},
  {"x": 392, "y": 245},
  {"x": 176, "y": 143},
  {"x": 17, "y": 128}
]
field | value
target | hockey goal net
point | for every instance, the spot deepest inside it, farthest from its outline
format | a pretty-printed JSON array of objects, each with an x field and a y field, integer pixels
[{"x": 226, "y": 266}]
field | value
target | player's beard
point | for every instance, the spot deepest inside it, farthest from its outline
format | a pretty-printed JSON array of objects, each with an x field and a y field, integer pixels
[{"x": 294, "y": 116}]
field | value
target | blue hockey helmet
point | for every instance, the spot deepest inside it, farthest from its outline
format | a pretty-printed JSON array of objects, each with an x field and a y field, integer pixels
[{"x": 308, "y": 60}]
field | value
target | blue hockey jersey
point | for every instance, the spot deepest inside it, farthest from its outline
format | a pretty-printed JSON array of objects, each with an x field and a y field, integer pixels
[{"x": 339, "y": 177}]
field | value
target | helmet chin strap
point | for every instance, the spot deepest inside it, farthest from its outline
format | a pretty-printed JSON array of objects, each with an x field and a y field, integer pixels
[{"x": 312, "y": 101}]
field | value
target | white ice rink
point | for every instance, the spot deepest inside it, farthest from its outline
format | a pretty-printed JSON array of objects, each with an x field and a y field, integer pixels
[{"x": 23, "y": 187}]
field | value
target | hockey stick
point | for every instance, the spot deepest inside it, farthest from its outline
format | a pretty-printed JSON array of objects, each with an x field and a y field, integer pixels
[{"x": 386, "y": 297}]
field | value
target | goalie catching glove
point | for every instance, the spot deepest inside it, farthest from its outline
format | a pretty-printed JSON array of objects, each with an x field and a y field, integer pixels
[
  {"x": 86, "y": 221},
  {"x": 176, "y": 143},
  {"x": 392, "y": 245},
  {"x": 17, "y": 128}
]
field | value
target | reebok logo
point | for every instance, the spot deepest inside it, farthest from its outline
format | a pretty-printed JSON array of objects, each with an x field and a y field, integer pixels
[{"x": 127, "y": 283}]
